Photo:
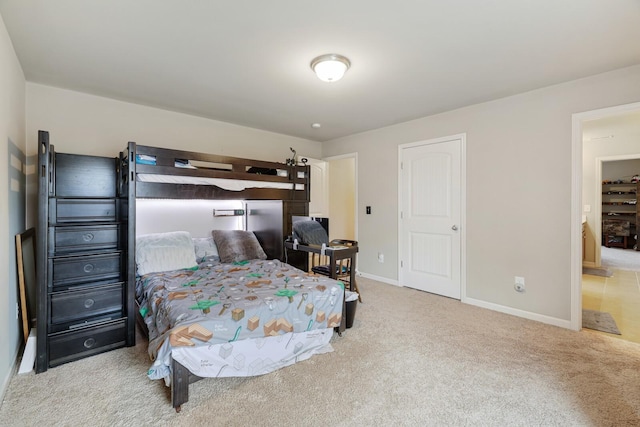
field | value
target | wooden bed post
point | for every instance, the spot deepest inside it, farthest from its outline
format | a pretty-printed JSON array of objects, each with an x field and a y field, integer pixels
[
  {"x": 131, "y": 241},
  {"x": 179, "y": 385},
  {"x": 45, "y": 159}
]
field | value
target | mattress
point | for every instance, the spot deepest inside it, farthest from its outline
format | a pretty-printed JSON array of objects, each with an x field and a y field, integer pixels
[
  {"x": 227, "y": 184},
  {"x": 242, "y": 319}
]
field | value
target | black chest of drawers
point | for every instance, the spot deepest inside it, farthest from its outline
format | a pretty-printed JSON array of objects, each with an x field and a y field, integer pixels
[{"x": 82, "y": 240}]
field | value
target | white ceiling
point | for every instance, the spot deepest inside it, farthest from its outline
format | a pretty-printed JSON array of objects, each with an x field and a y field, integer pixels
[{"x": 247, "y": 61}]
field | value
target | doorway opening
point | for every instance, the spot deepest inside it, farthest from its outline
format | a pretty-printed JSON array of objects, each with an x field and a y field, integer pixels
[
  {"x": 598, "y": 141},
  {"x": 334, "y": 194}
]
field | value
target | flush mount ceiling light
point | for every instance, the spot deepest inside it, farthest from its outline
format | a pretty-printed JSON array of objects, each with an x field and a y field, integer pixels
[{"x": 331, "y": 67}]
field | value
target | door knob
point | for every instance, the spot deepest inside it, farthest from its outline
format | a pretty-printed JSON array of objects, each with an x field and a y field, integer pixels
[{"x": 454, "y": 228}]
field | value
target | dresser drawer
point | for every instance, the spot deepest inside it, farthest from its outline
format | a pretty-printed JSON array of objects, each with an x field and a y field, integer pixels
[
  {"x": 62, "y": 211},
  {"x": 86, "y": 238},
  {"x": 74, "y": 270},
  {"x": 84, "y": 176},
  {"x": 70, "y": 308},
  {"x": 67, "y": 346}
]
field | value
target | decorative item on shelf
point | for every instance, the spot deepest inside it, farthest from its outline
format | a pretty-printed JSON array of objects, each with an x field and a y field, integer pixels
[{"x": 293, "y": 161}]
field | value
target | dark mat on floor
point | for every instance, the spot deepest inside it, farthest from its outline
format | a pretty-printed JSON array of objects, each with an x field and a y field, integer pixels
[
  {"x": 604, "y": 272},
  {"x": 599, "y": 321}
]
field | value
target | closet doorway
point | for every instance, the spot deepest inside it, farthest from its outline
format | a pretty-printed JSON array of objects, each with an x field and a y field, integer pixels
[
  {"x": 431, "y": 228},
  {"x": 604, "y": 137},
  {"x": 614, "y": 207}
]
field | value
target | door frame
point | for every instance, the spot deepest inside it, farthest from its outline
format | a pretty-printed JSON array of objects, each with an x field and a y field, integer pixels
[
  {"x": 463, "y": 204},
  {"x": 576, "y": 201},
  {"x": 325, "y": 187}
]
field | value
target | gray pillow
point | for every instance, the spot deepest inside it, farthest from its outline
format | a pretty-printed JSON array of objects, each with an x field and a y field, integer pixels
[{"x": 237, "y": 245}]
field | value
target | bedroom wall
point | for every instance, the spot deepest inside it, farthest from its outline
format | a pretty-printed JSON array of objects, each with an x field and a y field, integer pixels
[
  {"x": 87, "y": 124},
  {"x": 518, "y": 190},
  {"x": 626, "y": 141},
  {"x": 12, "y": 204}
]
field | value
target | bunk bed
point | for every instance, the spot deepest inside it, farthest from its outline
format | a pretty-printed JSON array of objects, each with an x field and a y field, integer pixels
[{"x": 248, "y": 284}]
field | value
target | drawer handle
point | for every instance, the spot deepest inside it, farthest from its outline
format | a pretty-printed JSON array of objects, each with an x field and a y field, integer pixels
[
  {"x": 89, "y": 342},
  {"x": 87, "y": 237},
  {"x": 88, "y": 268},
  {"x": 88, "y": 303}
]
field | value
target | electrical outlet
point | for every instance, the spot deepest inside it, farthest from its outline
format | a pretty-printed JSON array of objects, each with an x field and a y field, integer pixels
[
  {"x": 17, "y": 312},
  {"x": 519, "y": 284},
  {"x": 380, "y": 257}
]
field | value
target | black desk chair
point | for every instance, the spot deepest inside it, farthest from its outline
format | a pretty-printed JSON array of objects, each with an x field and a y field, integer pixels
[{"x": 343, "y": 266}]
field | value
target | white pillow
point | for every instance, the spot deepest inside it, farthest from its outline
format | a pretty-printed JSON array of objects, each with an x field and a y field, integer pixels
[
  {"x": 164, "y": 252},
  {"x": 205, "y": 247}
]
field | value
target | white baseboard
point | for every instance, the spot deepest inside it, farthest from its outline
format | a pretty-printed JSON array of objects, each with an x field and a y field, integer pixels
[
  {"x": 562, "y": 323},
  {"x": 4, "y": 386},
  {"x": 379, "y": 278},
  {"x": 29, "y": 354}
]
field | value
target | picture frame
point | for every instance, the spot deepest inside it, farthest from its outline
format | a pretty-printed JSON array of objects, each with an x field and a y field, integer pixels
[{"x": 26, "y": 263}]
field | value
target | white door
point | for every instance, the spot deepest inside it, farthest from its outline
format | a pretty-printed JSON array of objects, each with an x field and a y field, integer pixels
[
  {"x": 318, "y": 205},
  {"x": 430, "y": 192}
]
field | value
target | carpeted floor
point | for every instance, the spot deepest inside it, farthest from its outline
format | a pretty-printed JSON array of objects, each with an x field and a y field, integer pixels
[
  {"x": 411, "y": 359},
  {"x": 621, "y": 259}
]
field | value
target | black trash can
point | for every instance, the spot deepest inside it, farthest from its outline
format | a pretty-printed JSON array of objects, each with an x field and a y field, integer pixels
[{"x": 351, "y": 312}]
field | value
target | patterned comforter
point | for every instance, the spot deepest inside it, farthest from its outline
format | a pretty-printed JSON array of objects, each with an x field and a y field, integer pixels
[{"x": 223, "y": 319}]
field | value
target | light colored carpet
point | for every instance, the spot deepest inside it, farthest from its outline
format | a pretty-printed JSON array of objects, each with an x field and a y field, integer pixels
[
  {"x": 621, "y": 259},
  {"x": 411, "y": 359},
  {"x": 599, "y": 321}
]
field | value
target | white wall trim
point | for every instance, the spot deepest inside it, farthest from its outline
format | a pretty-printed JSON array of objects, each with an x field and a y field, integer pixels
[
  {"x": 324, "y": 191},
  {"x": 576, "y": 202},
  {"x": 520, "y": 313},
  {"x": 341, "y": 156},
  {"x": 379, "y": 279},
  {"x": 463, "y": 204}
]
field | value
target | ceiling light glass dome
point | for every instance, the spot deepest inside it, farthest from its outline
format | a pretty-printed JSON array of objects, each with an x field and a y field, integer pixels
[{"x": 331, "y": 67}]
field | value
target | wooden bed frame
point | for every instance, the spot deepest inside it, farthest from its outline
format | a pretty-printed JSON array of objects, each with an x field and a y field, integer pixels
[{"x": 220, "y": 167}]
